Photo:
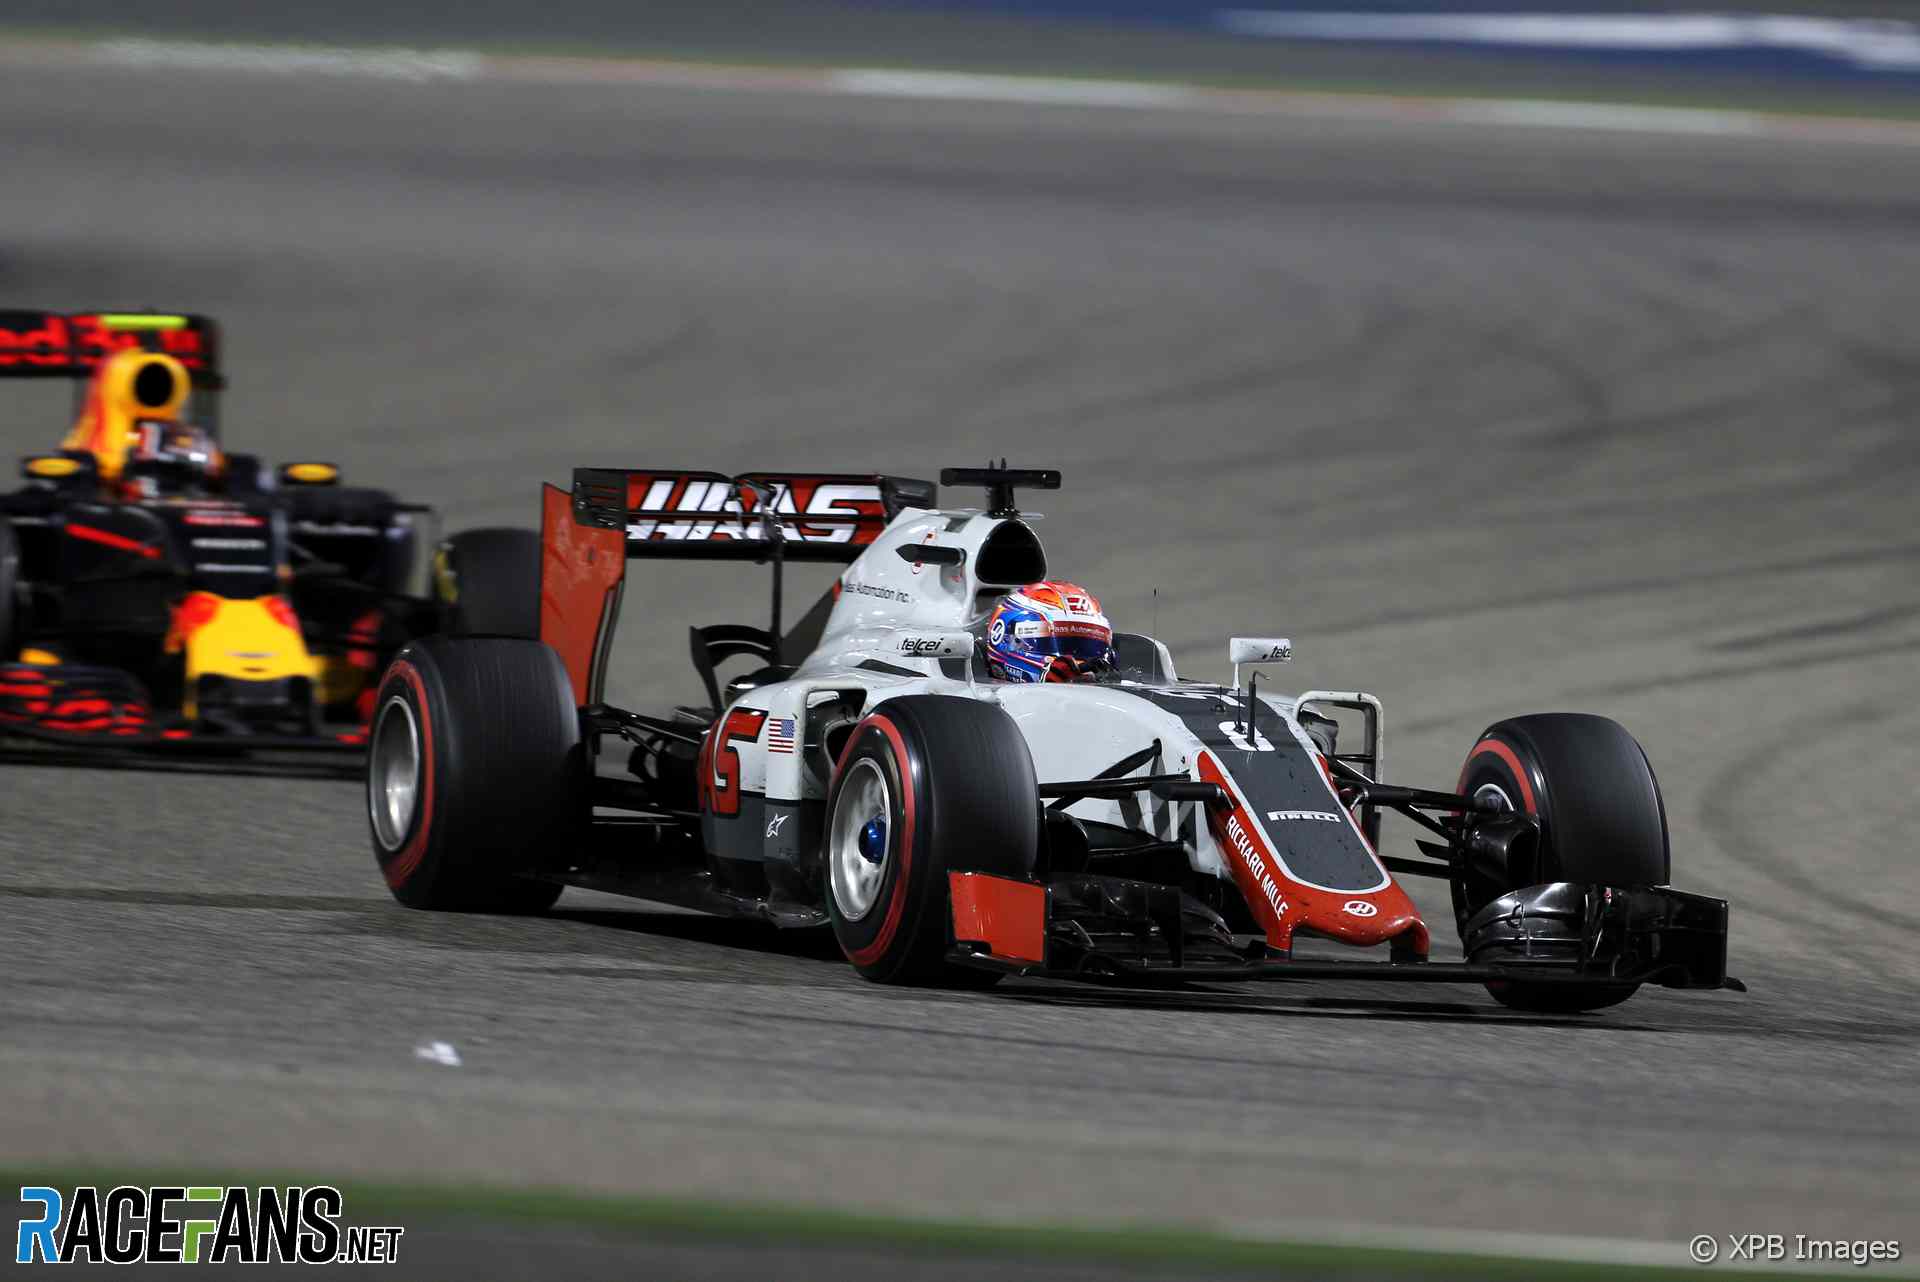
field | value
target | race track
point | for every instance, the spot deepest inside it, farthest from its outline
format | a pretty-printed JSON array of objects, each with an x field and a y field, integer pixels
[{"x": 1488, "y": 421}]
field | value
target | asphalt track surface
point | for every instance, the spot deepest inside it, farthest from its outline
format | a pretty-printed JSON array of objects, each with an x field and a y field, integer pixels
[{"x": 1487, "y": 421}]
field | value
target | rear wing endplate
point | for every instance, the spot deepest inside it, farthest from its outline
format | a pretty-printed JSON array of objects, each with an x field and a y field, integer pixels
[
  {"x": 588, "y": 533},
  {"x": 39, "y": 344}
]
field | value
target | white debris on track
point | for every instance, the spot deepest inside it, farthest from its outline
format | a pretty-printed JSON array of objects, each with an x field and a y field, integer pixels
[{"x": 438, "y": 1053}]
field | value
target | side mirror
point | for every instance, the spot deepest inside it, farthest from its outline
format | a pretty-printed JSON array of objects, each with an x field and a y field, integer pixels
[
  {"x": 309, "y": 474},
  {"x": 1254, "y": 650},
  {"x": 931, "y": 554},
  {"x": 63, "y": 468}
]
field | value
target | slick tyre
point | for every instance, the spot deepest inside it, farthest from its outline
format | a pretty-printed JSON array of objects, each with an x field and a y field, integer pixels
[
  {"x": 475, "y": 774},
  {"x": 489, "y": 582},
  {"x": 1602, "y": 822},
  {"x": 926, "y": 785}
]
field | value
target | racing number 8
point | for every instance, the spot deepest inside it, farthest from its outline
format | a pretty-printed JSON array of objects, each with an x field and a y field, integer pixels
[{"x": 741, "y": 723}]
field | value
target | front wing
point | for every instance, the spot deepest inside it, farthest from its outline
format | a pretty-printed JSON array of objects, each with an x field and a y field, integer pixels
[
  {"x": 1652, "y": 935},
  {"x": 78, "y": 706}
]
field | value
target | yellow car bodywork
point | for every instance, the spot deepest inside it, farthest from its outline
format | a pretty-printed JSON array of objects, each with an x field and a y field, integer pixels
[
  {"x": 114, "y": 405},
  {"x": 242, "y": 640}
]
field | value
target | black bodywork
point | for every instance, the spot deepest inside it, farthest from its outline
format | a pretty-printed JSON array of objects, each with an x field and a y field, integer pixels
[
  {"x": 103, "y": 599},
  {"x": 92, "y": 577}
]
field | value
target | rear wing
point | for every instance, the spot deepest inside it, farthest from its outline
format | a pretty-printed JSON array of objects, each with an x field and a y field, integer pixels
[
  {"x": 812, "y": 516},
  {"x": 37, "y": 344},
  {"x": 611, "y": 515}
]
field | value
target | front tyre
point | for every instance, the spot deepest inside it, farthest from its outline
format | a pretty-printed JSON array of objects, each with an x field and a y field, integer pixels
[
  {"x": 926, "y": 785},
  {"x": 475, "y": 773},
  {"x": 1602, "y": 822}
]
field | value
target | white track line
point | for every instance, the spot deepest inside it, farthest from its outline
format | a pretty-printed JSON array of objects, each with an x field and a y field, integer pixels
[
  {"x": 460, "y": 66},
  {"x": 1038, "y": 90},
  {"x": 390, "y": 64},
  {"x": 1870, "y": 44}
]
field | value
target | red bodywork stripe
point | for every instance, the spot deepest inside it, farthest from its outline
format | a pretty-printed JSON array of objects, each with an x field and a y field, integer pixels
[
  {"x": 107, "y": 538},
  {"x": 1247, "y": 865}
]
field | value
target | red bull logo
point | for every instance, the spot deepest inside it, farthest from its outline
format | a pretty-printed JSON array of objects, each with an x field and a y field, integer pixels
[{"x": 51, "y": 342}]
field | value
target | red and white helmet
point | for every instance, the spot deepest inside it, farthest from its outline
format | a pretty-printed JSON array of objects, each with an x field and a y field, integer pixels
[{"x": 1049, "y": 631}]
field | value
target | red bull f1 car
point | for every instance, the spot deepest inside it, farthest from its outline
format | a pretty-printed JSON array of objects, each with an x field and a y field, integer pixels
[
  {"x": 156, "y": 590},
  {"x": 862, "y": 773}
]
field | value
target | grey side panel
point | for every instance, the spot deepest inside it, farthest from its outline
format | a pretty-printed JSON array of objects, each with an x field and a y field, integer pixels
[{"x": 766, "y": 830}]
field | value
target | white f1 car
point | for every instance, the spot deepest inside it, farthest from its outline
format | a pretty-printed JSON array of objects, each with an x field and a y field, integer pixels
[{"x": 864, "y": 773}]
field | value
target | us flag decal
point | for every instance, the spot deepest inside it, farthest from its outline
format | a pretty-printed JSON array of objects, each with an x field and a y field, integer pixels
[{"x": 780, "y": 735}]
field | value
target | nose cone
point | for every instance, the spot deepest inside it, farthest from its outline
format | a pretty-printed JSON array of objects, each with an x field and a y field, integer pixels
[{"x": 1363, "y": 920}]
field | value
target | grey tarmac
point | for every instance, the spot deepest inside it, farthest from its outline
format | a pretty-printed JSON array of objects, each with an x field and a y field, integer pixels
[{"x": 1487, "y": 421}]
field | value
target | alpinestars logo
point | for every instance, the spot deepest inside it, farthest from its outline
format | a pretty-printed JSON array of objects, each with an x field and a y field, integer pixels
[{"x": 195, "y": 1225}]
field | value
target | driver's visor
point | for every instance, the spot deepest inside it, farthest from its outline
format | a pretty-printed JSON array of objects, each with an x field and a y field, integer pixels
[{"x": 1080, "y": 647}]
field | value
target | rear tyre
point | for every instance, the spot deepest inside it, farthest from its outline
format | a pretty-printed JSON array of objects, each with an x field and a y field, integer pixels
[
  {"x": 1602, "y": 822},
  {"x": 927, "y": 785},
  {"x": 475, "y": 774},
  {"x": 489, "y": 580}
]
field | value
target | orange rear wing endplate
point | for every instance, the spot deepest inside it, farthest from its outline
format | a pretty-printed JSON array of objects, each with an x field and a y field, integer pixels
[
  {"x": 588, "y": 534},
  {"x": 582, "y": 569}
]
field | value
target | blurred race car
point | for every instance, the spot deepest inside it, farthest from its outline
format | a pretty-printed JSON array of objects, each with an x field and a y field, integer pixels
[
  {"x": 868, "y": 774},
  {"x": 158, "y": 590}
]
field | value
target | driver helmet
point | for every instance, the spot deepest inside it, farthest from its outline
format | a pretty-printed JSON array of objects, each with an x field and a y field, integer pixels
[
  {"x": 171, "y": 458},
  {"x": 1049, "y": 631}
]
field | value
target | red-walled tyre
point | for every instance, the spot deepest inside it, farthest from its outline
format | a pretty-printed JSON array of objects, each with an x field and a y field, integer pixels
[
  {"x": 475, "y": 773},
  {"x": 926, "y": 785},
  {"x": 1602, "y": 822}
]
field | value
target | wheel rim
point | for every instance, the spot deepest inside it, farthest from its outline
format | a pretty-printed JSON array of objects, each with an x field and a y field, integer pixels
[
  {"x": 860, "y": 845},
  {"x": 394, "y": 773},
  {"x": 1492, "y": 794}
]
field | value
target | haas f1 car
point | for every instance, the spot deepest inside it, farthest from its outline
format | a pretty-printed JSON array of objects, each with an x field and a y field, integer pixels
[
  {"x": 864, "y": 773},
  {"x": 157, "y": 590}
]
